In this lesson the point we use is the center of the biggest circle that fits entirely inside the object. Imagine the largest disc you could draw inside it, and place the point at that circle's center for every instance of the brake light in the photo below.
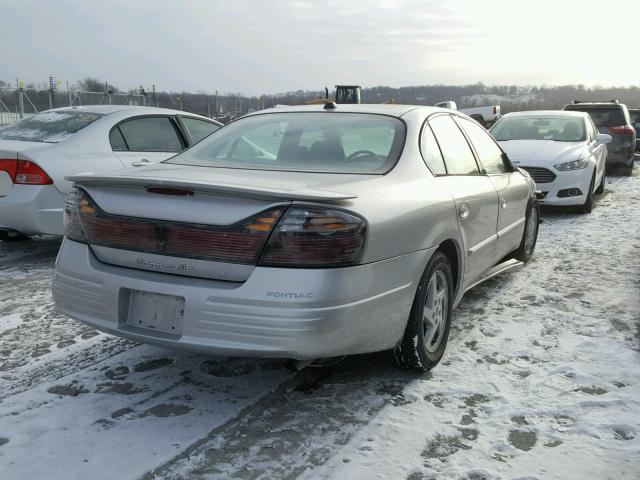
(9, 166)
(621, 130)
(28, 173)
(315, 237)
(241, 243)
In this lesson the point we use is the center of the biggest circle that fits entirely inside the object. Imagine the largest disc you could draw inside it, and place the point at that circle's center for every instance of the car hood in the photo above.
(525, 152)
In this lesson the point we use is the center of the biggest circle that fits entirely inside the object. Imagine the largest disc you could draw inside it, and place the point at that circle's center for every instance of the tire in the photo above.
(587, 206)
(600, 189)
(628, 170)
(12, 237)
(427, 332)
(530, 235)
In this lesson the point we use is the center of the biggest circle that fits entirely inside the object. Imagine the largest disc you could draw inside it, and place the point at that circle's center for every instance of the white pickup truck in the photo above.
(484, 115)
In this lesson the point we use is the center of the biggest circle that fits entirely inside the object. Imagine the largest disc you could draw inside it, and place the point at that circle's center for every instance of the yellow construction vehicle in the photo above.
(344, 94)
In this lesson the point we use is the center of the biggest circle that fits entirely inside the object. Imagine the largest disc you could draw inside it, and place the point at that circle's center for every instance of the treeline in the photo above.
(229, 105)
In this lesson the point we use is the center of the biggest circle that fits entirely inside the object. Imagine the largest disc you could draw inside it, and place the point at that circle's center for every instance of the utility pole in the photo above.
(215, 105)
(208, 106)
(20, 86)
(52, 91)
(70, 96)
(155, 98)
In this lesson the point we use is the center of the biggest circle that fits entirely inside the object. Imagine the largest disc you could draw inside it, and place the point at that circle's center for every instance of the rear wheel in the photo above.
(12, 236)
(427, 332)
(628, 169)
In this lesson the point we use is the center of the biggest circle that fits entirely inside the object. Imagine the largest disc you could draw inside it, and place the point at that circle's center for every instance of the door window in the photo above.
(150, 134)
(489, 153)
(457, 154)
(198, 129)
(117, 140)
(431, 152)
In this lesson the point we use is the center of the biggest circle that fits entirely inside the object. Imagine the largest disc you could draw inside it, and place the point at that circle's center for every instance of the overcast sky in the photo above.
(256, 46)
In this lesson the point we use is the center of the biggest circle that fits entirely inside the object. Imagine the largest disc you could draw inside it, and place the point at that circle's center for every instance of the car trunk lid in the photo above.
(171, 221)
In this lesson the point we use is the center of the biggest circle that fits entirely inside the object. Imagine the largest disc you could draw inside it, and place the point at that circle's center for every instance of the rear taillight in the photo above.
(71, 217)
(24, 172)
(9, 166)
(242, 242)
(621, 130)
(315, 237)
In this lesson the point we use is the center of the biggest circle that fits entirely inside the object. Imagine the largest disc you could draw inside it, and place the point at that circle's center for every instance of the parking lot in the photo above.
(543, 365)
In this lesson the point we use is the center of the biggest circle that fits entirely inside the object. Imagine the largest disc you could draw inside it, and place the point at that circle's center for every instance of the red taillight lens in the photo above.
(621, 130)
(28, 173)
(315, 237)
(72, 229)
(9, 166)
(239, 243)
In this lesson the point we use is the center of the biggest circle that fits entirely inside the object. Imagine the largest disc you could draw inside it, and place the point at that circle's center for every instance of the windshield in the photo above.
(603, 117)
(49, 127)
(557, 128)
(303, 141)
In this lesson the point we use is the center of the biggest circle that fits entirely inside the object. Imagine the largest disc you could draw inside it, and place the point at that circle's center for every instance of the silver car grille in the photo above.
(540, 175)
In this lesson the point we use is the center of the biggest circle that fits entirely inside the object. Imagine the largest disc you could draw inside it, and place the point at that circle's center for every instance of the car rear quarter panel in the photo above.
(406, 210)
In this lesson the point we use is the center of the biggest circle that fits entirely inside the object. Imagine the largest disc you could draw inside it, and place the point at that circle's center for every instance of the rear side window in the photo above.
(488, 152)
(150, 134)
(458, 156)
(198, 129)
(303, 141)
(48, 127)
(431, 152)
(117, 140)
(604, 117)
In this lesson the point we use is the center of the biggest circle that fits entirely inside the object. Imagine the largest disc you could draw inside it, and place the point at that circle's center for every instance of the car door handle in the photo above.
(141, 163)
(464, 210)
(503, 203)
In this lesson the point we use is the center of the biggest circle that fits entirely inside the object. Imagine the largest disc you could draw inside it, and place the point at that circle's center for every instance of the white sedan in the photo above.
(38, 152)
(562, 151)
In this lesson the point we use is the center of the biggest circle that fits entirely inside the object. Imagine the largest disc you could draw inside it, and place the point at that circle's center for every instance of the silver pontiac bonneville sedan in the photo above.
(300, 232)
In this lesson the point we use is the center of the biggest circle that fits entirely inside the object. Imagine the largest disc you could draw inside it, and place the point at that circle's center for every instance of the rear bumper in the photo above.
(32, 210)
(621, 155)
(580, 179)
(342, 311)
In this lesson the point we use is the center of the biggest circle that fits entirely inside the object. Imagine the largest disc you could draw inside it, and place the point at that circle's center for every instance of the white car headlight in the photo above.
(575, 165)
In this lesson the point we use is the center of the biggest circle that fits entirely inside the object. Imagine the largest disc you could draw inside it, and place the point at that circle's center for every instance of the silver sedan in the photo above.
(38, 152)
(300, 232)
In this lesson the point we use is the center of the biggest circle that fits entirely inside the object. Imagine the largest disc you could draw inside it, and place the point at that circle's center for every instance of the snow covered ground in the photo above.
(541, 379)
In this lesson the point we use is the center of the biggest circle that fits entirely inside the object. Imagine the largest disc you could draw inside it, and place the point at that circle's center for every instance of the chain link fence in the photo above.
(17, 103)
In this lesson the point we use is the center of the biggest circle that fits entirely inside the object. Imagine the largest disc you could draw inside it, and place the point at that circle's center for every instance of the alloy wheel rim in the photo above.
(436, 306)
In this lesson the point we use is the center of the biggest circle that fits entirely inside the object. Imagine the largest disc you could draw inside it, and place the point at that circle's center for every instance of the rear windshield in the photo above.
(602, 116)
(303, 141)
(49, 127)
(557, 128)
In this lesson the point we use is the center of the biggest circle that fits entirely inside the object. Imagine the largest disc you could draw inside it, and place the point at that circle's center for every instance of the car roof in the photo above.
(595, 105)
(537, 113)
(393, 110)
(109, 109)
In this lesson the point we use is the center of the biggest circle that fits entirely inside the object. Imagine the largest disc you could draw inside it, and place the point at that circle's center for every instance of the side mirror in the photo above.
(603, 139)
(509, 166)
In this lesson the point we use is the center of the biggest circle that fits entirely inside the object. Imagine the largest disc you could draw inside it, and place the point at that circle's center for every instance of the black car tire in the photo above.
(12, 237)
(414, 353)
(587, 206)
(529, 237)
(600, 189)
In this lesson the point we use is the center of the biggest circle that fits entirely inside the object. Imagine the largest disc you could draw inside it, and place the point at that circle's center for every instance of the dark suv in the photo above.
(612, 118)
(635, 121)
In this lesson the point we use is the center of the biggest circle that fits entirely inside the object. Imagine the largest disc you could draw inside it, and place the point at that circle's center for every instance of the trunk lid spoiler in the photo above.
(218, 188)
